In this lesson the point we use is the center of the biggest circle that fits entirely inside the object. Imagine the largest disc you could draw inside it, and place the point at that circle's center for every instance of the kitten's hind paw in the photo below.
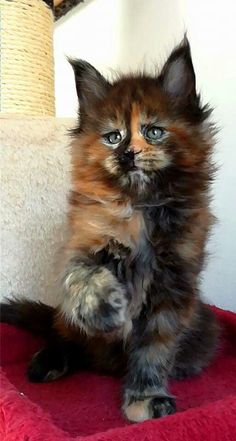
(47, 365)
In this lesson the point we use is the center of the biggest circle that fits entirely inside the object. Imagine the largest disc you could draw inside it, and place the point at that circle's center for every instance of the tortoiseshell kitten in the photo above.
(139, 217)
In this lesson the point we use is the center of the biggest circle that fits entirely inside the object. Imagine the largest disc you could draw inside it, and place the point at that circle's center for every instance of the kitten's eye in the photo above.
(153, 133)
(113, 137)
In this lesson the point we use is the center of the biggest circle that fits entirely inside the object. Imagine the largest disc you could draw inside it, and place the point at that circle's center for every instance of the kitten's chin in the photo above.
(138, 180)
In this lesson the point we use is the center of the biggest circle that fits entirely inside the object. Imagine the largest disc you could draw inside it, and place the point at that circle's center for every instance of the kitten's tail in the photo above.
(35, 317)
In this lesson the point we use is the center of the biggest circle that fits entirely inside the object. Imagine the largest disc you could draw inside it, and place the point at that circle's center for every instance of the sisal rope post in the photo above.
(27, 68)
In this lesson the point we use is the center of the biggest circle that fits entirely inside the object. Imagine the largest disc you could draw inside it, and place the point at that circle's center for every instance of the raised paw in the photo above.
(95, 300)
(148, 408)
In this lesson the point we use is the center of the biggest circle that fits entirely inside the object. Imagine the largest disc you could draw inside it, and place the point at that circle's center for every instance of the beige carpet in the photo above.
(34, 176)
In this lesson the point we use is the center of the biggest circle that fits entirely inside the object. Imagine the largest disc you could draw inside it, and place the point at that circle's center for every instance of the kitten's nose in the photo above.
(127, 158)
(129, 154)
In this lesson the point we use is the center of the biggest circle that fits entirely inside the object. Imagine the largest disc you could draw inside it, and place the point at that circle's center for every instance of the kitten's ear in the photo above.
(90, 84)
(177, 76)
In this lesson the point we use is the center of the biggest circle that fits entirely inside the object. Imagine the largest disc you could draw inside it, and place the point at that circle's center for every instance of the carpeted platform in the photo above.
(87, 407)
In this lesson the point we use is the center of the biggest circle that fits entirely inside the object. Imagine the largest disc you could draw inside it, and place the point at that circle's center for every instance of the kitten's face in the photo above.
(139, 126)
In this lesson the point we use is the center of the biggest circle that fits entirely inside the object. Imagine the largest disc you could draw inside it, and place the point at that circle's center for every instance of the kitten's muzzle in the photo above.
(127, 159)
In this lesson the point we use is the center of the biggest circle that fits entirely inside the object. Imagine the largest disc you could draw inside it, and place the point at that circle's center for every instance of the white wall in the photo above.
(126, 34)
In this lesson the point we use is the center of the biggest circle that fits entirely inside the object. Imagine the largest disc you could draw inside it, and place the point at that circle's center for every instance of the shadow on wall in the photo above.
(148, 33)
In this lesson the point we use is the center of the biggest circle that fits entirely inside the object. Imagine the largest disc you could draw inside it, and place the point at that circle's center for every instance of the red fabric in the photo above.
(86, 406)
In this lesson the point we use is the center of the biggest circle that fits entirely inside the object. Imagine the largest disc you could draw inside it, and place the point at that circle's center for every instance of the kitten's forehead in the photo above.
(141, 115)
(133, 96)
(132, 117)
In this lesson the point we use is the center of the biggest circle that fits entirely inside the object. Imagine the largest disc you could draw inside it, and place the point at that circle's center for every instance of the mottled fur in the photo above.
(139, 216)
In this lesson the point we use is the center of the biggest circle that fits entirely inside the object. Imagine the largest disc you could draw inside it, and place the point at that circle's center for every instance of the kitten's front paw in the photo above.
(144, 409)
(162, 406)
(95, 300)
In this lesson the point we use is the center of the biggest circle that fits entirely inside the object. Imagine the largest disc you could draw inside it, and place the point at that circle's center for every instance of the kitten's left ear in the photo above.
(90, 84)
(177, 76)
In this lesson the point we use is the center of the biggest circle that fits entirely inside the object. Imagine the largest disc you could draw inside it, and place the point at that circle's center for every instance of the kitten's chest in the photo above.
(130, 235)
(133, 258)
(129, 230)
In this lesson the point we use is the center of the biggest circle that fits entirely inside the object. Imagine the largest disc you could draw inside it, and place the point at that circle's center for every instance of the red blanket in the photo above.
(86, 406)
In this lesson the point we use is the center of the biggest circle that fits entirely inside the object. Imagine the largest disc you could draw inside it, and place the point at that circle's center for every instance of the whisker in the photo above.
(156, 204)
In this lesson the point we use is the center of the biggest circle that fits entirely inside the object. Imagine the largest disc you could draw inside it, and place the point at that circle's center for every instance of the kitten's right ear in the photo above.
(177, 76)
(90, 84)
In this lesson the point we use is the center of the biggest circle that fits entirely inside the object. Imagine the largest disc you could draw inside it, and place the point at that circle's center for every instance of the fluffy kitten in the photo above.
(139, 217)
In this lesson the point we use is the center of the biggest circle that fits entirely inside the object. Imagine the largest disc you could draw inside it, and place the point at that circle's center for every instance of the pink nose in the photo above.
(135, 147)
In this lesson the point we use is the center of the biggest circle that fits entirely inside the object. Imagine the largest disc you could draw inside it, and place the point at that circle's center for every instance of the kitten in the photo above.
(139, 218)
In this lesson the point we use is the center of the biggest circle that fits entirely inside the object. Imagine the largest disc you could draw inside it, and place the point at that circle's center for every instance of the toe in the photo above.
(162, 406)
(138, 411)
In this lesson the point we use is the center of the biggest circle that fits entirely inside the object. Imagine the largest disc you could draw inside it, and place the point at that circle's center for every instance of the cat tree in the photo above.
(34, 174)
(34, 161)
(27, 72)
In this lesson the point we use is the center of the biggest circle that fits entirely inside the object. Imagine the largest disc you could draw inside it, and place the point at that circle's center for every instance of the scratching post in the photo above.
(34, 160)
(27, 71)
(34, 184)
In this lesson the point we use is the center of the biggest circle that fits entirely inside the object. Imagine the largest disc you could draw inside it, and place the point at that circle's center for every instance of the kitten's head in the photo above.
(138, 127)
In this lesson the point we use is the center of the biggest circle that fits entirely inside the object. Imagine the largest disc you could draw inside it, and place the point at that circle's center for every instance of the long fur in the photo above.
(35, 317)
(139, 218)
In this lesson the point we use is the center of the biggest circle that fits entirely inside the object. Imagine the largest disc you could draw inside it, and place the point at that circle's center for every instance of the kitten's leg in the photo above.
(146, 395)
(94, 300)
(198, 345)
(74, 351)
(170, 343)
(58, 358)
(153, 346)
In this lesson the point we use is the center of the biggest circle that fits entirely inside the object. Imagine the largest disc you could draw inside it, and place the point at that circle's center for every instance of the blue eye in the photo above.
(112, 137)
(153, 133)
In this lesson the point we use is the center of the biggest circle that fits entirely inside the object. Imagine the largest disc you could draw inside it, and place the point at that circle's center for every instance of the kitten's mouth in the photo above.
(127, 161)
(129, 167)
(134, 168)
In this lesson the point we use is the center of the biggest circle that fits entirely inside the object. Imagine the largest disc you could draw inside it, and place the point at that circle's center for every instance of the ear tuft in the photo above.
(91, 86)
(177, 76)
